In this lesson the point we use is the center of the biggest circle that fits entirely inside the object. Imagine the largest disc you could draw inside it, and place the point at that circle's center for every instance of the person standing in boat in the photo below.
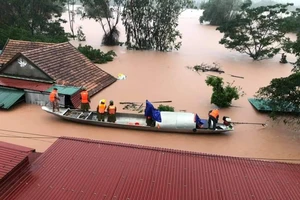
(85, 100)
(53, 97)
(213, 117)
(111, 110)
(101, 110)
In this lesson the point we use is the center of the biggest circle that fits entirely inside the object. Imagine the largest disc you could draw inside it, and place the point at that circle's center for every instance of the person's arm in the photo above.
(57, 97)
(97, 109)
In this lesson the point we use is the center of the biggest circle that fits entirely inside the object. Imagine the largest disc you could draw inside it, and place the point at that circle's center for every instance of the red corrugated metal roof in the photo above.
(84, 169)
(10, 156)
(22, 84)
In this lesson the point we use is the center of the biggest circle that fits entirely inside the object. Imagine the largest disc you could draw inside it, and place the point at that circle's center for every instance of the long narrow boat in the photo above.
(176, 122)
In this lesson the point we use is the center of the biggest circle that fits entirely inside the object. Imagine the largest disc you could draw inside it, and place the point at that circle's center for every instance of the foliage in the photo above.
(218, 12)
(96, 55)
(105, 11)
(283, 95)
(31, 20)
(152, 24)
(80, 34)
(294, 47)
(255, 31)
(162, 107)
(292, 22)
(223, 96)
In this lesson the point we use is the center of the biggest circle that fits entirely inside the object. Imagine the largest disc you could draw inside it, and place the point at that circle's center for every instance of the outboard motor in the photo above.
(227, 121)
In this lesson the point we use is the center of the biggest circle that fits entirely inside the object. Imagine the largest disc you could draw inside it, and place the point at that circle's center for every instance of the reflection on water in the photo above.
(164, 76)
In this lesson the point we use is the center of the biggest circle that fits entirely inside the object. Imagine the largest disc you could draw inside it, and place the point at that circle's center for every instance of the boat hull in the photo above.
(132, 121)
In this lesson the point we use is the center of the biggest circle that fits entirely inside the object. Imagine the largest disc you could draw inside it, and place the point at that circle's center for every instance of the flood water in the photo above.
(164, 76)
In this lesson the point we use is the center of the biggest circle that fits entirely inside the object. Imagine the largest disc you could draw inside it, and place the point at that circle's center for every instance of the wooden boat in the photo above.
(176, 122)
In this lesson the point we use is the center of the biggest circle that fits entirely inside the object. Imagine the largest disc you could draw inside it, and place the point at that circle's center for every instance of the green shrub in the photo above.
(165, 108)
(223, 96)
(95, 55)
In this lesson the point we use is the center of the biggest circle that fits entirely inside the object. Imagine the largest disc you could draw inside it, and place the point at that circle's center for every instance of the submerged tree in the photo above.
(152, 24)
(257, 31)
(107, 13)
(222, 96)
(71, 15)
(218, 12)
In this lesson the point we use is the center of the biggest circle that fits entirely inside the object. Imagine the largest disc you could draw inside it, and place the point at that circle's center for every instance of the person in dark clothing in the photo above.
(213, 117)
(283, 59)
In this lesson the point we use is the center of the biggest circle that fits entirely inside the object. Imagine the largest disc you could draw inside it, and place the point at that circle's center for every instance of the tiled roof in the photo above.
(16, 46)
(10, 156)
(22, 84)
(65, 64)
(85, 169)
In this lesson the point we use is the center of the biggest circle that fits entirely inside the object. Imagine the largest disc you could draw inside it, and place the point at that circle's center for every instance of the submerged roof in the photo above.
(10, 156)
(86, 169)
(65, 64)
(23, 84)
(9, 97)
(13, 47)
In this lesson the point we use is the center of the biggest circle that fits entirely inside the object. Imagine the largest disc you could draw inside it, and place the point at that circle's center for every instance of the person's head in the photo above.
(55, 89)
(111, 102)
(83, 89)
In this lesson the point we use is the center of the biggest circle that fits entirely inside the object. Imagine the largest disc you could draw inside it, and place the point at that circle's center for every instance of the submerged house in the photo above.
(34, 68)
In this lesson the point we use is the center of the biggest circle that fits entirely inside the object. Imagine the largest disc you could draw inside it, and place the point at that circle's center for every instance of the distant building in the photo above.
(74, 168)
(34, 67)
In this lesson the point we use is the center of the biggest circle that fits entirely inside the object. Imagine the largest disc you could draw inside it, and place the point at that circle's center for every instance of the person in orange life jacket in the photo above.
(85, 100)
(213, 117)
(111, 110)
(53, 97)
(101, 110)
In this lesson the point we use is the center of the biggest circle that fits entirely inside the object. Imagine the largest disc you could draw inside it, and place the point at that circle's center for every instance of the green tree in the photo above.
(222, 96)
(256, 31)
(107, 13)
(32, 20)
(218, 12)
(152, 24)
(95, 55)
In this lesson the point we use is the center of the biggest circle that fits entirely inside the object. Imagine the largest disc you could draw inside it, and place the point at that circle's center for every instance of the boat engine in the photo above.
(227, 121)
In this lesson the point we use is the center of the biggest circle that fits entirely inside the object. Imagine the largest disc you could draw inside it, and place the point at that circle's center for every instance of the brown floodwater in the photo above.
(164, 76)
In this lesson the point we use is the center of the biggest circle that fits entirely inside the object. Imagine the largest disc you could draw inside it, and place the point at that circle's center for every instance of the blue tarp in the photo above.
(150, 111)
(198, 120)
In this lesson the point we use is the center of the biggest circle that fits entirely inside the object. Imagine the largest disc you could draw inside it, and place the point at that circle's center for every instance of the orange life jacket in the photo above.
(52, 96)
(111, 110)
(84, 97)
(101, 108)
(214, 113)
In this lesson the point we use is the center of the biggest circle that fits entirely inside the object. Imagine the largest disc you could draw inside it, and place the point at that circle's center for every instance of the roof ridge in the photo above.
(28, 41)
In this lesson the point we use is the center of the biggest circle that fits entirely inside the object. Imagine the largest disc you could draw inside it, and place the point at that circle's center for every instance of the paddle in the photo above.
(263, 124)
(126, 102)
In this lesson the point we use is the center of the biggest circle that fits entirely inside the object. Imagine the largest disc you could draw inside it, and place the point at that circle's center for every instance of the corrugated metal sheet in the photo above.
(41, 99)
(10, 156)
(65, 90)
(22, 84)
(9, 97)
(85, 169)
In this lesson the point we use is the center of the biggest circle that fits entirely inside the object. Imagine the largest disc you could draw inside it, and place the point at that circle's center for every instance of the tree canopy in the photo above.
(256, 32)
(218, 12)
(107, 13)
(152, 24)
(32, 20)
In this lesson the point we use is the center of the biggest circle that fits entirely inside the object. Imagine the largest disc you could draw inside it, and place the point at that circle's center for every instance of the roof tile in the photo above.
(23, 84)
(64, 63)
(75, 168)
(16, 46)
